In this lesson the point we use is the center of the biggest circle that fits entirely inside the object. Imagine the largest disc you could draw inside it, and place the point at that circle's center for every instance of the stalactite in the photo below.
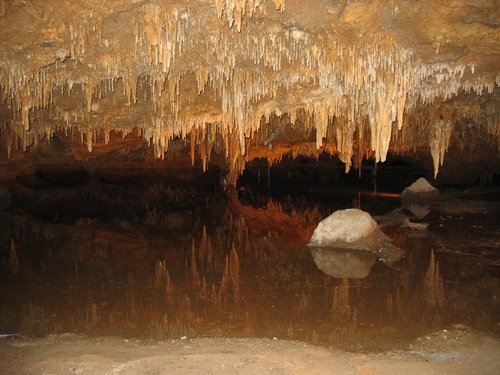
(493, 117)
(439, 139)
(13, 259)
(89, 138)
(89, 92)
(130, 89)
(25, 108)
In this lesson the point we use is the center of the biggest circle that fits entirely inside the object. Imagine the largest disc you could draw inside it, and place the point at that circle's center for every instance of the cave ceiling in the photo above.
(250, 78)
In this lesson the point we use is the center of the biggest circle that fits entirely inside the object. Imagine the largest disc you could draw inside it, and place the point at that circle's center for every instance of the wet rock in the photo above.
(351, 227)
(421, 191)
(399, 219)
(356, 230)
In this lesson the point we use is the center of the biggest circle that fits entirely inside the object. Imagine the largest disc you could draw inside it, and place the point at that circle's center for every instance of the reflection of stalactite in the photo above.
(234, 262)
(160, 273)
(298, 225)
(93, 315)
(187, 312)
(397, 301)
(204, 289)
(433, 284)
(342, 311)
(231, 278)
(163, 280)
(130, 295)
(194, 276)
(13, 259)
(169, 288)
(224, 285)
(202, 251)
(393, 303)
(241, 230)
(214, 296)
(206, 256)
(77, 272)
(341, 298)
(304, 301)
(389, 304)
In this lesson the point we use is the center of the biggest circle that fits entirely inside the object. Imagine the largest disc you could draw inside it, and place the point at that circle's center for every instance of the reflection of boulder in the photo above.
(419, 211)
(397, 218)
(53, 175)
(419, 191)
(63, 175)
(354, 229)
(343, 263)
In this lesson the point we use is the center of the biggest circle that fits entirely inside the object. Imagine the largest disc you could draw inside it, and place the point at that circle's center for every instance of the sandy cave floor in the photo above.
(456, 351)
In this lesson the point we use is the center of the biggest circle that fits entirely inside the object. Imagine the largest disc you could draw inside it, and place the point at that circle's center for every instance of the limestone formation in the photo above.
(234, 77)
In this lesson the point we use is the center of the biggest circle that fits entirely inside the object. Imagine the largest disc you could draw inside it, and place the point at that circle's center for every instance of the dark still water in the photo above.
(156, 262)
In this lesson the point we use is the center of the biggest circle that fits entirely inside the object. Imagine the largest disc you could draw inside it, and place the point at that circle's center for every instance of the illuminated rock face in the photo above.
(231, 76)
(420, 190)
(350, 229)
(345, 228)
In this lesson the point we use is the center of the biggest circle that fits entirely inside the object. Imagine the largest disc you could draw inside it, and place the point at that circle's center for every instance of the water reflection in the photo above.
(343, 263)
(243, 272)
(420, 211)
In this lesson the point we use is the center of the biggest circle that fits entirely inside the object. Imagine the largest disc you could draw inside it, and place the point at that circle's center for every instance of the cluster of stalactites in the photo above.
(235, 10)
(462, 121)
(493, 119)
(364, 88)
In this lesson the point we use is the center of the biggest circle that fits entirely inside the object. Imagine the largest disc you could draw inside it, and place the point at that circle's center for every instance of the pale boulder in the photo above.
(420, 191)
(355, 230)
(343, 227)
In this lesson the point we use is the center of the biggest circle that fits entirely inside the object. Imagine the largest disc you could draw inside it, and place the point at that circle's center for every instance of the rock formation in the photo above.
(250, 78)
(351, 238)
